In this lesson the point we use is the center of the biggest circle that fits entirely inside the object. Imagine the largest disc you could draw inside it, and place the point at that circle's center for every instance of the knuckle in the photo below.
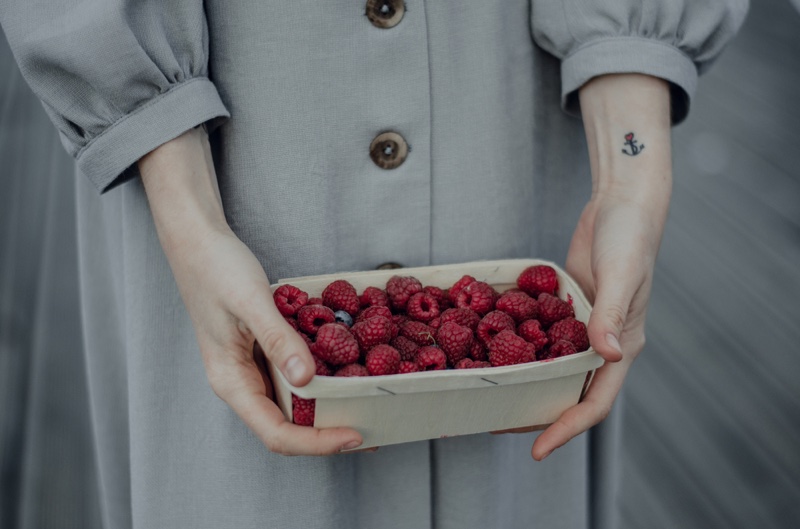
(616, 316)
(273, 341)
(276, 445)
(640, 342)
(216, 379)
(604, 412)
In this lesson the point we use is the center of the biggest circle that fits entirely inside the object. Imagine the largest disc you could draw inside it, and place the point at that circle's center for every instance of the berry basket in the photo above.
(427, 405)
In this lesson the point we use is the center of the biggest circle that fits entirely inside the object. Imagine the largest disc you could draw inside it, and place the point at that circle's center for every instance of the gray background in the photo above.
(712, 410)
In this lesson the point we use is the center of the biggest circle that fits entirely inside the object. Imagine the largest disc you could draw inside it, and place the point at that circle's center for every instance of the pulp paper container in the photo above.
(415, 406)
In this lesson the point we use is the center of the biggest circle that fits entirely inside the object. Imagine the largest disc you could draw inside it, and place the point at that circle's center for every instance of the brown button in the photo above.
(388, 150)
(388, 266)
(385, 14)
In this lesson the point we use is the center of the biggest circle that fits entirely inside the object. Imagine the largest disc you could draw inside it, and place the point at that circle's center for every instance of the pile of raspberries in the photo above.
(408, 327)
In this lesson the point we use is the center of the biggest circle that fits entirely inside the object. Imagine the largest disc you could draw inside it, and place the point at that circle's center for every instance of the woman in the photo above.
(346, 136)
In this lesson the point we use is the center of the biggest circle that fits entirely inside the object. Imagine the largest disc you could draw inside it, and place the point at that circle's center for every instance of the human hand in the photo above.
(613, 250)
(228, 297)
(611, 257)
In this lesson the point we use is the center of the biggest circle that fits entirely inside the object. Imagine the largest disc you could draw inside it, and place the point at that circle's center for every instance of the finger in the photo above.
(242, 390)
(264, 418)
(524, 429)
(371, 450)
(281, 344)
(595, 407)
(615, 290)
(261, 364)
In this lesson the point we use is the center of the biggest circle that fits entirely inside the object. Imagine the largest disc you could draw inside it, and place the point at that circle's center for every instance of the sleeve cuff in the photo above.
(110, 158)
(629, 55)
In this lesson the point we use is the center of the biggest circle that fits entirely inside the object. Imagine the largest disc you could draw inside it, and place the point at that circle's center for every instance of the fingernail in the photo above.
(613, 342)
(295, 370)
(351, 445)
(545, 456)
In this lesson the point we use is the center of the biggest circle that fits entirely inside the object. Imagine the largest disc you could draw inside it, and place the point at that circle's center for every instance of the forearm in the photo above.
(182, 190)
(613, 108)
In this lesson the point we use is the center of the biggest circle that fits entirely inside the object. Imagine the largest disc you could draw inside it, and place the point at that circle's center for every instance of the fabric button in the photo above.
(388, 266)
(385, 14)
(388, 150)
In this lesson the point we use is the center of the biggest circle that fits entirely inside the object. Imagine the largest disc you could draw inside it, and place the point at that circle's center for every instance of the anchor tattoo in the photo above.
(630, 142)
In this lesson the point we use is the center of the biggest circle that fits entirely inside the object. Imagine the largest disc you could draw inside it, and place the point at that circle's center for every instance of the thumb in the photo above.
(608, 316)
(280, 342)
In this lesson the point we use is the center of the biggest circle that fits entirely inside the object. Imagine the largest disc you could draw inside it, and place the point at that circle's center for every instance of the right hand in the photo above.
(228, 297)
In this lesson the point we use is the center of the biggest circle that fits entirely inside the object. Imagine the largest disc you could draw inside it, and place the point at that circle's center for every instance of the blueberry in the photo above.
(343, 317)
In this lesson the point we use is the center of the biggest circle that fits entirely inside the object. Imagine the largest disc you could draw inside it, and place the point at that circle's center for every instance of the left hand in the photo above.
(611, 256)
(614, 247)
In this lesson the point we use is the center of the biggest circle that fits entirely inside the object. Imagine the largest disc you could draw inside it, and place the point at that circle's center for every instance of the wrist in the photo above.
(627, 123)
(182, 191)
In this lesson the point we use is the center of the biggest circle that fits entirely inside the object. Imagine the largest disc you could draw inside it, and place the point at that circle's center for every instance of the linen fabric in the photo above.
(294, 93)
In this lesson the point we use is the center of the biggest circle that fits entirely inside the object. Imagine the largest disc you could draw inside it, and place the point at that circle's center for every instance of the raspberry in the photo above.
(553, 309)
(408, 367)
(478, 351)
(571, 330)
(374, 297)
(435, 323)
(289, 299)
(508, 349)
(303, 410)
(314, 301)
(311, 317)
(343, 317)
(464, 317)
(492, 324)
(376, 310)
(478, 296)
(518, 305)
(422, 307)
(537, 279)
(531, 331)
(455, 341)
(335, 345)
(306, 339)
(383, 360)
(439, 295)
(453, 292)
(397, 319)
(352, 370)
(430, 358)
(557, 350)
(400, 289)
(468, 363)
(417, 332)
(292, 322)
(406, 348)
(371, 332)
(341, 295)
(322, 368)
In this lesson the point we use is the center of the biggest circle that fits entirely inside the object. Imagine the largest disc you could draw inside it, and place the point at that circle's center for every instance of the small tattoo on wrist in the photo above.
(631, 143)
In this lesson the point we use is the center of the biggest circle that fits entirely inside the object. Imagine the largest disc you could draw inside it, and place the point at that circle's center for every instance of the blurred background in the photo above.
(712, 406)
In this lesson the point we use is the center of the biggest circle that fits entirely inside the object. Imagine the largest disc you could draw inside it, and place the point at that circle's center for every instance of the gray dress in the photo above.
(294, 93)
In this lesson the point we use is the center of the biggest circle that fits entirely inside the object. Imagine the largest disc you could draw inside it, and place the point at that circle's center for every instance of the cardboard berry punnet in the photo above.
(400, 408)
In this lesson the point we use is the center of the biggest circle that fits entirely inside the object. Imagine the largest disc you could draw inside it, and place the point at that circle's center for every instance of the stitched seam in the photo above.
(604, 40)
(430, 137)
(137, 111)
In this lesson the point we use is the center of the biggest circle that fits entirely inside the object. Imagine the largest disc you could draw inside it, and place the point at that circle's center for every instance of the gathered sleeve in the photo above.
(118, 78)
(671, 39)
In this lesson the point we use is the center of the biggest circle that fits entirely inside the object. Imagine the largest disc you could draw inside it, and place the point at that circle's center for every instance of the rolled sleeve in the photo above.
(117, 79)
(110, 157)
(675, 41)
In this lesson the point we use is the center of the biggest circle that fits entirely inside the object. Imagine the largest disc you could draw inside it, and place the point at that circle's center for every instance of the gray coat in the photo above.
(295, 93)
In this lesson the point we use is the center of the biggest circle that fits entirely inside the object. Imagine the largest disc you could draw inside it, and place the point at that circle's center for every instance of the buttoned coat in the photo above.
(482, 97)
